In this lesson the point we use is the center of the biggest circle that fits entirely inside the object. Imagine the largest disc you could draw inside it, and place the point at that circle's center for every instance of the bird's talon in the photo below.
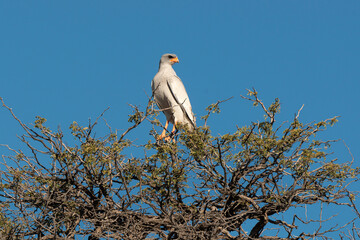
(160, 137)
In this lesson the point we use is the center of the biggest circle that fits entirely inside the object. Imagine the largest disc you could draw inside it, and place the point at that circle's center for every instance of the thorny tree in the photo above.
(234, 186)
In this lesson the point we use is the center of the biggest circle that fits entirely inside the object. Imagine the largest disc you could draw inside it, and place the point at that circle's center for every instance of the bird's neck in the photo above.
(164, 66)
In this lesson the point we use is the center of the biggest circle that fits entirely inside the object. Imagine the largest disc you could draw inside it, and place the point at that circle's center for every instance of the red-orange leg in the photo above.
(164, 131)
(171, 134)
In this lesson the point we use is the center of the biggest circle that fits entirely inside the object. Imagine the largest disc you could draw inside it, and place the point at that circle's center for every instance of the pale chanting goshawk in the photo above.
(170, 95)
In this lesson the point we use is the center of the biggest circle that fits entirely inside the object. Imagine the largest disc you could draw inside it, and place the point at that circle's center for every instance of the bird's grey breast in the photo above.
(160, 90)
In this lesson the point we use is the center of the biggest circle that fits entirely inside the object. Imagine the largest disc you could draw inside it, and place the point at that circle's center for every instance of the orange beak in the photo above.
(174, 60)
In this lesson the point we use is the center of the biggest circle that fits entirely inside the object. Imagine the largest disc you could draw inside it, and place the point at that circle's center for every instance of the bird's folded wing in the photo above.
(178, 91)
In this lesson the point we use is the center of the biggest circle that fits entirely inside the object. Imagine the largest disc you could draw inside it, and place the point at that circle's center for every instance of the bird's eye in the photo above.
(171, 56)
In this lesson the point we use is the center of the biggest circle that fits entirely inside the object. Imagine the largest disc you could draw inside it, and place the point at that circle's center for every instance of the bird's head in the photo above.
(169, 58)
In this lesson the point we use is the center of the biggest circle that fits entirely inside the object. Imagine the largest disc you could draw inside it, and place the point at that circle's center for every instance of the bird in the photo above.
(171, 97)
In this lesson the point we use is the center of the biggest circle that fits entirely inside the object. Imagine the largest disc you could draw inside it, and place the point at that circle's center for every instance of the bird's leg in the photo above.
(172, 133)
(164, 131)
(174, 128)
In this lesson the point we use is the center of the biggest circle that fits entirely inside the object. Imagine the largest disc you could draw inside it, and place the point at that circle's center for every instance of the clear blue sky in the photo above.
(69, 60)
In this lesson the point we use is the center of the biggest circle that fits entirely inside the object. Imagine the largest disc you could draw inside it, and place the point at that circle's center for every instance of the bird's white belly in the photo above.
(168, 104)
